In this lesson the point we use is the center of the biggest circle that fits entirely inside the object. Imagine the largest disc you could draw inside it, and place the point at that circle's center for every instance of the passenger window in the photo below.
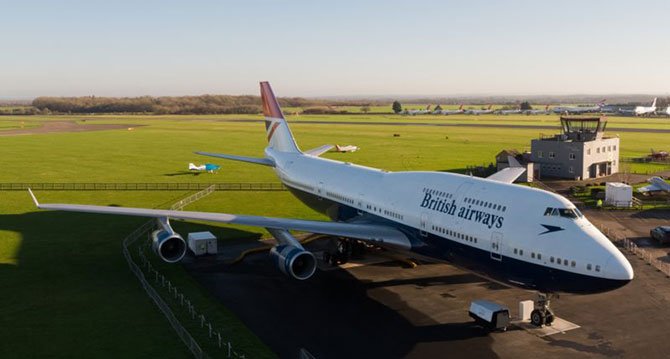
(573, 264)
(551, 259)
(597, 268)
(588, 266)
(539, 256)
(520, 252)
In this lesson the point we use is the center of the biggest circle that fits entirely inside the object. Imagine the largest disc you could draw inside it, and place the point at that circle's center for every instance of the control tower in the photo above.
(580, 151)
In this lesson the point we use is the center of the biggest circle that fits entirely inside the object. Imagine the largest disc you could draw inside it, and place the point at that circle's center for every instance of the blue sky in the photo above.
(321, 48)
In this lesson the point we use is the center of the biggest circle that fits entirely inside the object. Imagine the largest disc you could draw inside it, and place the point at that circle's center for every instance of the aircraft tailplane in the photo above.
(278, 133)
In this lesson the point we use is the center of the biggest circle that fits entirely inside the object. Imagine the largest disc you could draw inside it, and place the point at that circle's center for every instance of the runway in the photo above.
(442, 124)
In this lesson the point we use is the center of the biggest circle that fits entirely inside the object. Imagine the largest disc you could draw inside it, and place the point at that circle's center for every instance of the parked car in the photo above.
(661, 234)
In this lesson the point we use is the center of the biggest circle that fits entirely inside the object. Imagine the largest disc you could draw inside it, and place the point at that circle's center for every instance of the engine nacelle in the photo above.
(295, 262)
(169, 246)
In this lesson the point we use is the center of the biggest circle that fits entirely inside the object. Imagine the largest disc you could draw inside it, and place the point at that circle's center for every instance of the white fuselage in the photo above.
(505, 219)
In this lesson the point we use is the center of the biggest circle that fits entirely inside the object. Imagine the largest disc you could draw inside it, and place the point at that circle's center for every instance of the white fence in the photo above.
(630, 246)
(179, 298)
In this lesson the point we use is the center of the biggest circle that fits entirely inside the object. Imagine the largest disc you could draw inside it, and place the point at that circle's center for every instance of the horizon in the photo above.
(318, 49)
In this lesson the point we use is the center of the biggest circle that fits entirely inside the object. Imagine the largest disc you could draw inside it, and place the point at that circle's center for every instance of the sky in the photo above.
(333, 48)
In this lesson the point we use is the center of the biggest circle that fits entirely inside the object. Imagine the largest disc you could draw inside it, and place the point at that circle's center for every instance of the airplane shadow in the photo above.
(333, 315)
(182, 173)
(67, 269)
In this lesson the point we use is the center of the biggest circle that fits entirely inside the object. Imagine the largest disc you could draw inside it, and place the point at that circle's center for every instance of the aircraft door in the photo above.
(320, 190)
(496, 246)
(423, 224)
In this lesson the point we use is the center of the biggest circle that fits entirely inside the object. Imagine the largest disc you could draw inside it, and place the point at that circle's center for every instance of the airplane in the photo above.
(509, 112)
(348, 148)
(580, 109)
(626, 111)
(656, 184)
(646, 110)
(419, 112)
(209, 167)
(452, 112)
(480, 111)
(667, 111)
(658, 155)
(537, 112)
(518, 235)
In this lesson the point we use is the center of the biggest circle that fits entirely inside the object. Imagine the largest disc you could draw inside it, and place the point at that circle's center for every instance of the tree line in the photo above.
(182, 105)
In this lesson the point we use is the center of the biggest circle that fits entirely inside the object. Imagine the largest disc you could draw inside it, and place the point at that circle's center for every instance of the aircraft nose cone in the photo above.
(619, 268)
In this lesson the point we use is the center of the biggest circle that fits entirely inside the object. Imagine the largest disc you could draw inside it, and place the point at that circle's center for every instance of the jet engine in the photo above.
(290, 257)
(295, 262)
(169, 246)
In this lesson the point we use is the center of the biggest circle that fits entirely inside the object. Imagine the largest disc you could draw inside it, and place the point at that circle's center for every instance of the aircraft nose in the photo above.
(619, 268)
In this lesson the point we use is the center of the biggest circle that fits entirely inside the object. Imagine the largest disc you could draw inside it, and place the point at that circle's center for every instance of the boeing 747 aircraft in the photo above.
(519, 235)
(646, 110)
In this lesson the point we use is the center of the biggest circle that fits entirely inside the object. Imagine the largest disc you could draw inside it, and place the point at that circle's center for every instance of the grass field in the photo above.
(67, 289)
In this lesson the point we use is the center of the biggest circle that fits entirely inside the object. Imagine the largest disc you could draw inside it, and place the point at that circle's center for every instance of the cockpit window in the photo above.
(565, 212)
(572, 213)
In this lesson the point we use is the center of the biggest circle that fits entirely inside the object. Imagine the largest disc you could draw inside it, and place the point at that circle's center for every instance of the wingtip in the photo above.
(37, 204)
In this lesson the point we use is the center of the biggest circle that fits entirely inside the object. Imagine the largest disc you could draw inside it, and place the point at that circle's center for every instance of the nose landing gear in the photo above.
(542, 314)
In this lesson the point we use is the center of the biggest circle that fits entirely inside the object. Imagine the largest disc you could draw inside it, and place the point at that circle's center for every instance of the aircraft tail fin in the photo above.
(653, 104)
(278, 133)
(192, 166)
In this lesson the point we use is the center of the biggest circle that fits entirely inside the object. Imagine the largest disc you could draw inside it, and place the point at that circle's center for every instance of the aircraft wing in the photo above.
(259, 161)
(377, 233)
(316, 152)
(509, 174)
(650, 188)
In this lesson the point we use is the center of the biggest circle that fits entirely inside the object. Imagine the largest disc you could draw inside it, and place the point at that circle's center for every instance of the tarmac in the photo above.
(385, 309)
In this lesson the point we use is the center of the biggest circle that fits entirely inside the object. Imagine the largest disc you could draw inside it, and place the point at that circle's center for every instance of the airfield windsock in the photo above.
(279, 135)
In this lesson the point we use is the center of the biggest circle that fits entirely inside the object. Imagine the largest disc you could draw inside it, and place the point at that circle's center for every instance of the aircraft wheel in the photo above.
(537, 318)
(549, 318)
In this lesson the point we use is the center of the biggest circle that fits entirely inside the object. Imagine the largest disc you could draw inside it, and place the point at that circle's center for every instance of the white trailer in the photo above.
(618, 194)
(490, 315)
(201, 243)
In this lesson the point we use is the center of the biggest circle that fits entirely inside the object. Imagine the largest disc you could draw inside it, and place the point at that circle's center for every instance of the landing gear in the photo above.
(542, 314)
(341, 250)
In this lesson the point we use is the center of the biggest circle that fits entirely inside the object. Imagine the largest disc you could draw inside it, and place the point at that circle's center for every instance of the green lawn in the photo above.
(68, 291)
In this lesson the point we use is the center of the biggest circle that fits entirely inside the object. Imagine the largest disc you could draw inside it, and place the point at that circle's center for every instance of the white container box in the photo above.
(202, 243)
(618, 194)
(525, 308)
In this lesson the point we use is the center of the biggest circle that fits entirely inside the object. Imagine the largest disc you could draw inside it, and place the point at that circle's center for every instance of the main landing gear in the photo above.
(341, 250)
(542, 314)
